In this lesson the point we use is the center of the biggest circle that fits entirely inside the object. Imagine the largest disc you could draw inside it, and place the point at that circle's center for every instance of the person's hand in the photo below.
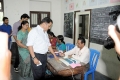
(5, 57)
(56, 58)
(111, 30)
(10, 35)
(61, 54)
(26, 48)
(69, 56)
(36, 61)
(55, 50)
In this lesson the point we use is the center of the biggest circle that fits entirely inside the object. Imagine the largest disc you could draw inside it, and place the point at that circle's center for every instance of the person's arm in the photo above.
(10, 32)
(68, 53)
(15, 37)
(5, 57)
(30, 42)
(21, 45)
(115, 36)
(85, 57)
(19, 39)
(36, 61)
(0, 28)
(50, 47)
(31, 51)
(51, 50)
(14, 33)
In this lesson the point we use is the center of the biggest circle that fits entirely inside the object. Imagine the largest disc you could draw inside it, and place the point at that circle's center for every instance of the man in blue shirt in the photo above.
(6, 28)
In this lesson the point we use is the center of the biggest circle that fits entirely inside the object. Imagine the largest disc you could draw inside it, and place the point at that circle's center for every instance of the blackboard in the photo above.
(100, 20)
(68, 25)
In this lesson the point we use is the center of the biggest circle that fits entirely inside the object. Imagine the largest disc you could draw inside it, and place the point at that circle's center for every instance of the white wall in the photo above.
(108, 64)
(40, 5)
(13, 9)
(56, 16)
(55, 9)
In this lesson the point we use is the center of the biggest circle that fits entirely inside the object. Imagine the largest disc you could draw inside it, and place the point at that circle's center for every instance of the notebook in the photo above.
(73, 65)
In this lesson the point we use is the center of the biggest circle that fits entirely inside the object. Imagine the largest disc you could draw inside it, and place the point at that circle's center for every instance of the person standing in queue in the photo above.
(38, 44)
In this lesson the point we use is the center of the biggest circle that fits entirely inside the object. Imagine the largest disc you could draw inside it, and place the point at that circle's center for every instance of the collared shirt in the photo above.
(7, 29)
(15, 28)
(82, 55)
(39, 40)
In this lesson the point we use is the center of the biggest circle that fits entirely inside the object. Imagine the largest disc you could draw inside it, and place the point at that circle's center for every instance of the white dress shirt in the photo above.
(82, 55)
(39, 40)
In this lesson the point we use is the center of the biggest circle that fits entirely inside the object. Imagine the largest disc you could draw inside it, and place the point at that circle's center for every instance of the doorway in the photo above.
(82, 26)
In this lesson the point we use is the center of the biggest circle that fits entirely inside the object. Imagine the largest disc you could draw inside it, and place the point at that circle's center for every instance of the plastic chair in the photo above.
(69, 46)
(94, 56)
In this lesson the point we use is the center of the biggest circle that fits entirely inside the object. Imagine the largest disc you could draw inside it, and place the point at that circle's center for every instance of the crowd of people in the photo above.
(32, 47)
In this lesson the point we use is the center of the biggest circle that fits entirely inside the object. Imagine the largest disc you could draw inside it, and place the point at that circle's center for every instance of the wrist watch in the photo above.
(33, 58)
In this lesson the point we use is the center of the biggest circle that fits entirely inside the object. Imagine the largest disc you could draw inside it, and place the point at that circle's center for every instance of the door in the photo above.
(82, 26)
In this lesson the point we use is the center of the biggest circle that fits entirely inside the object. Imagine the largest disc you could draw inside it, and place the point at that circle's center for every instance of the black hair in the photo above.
(23, 23)
(46, 20)
(4, 18)
(82, 39)
(48, 30)
(61, 38)
(25, 16)
(51, 33)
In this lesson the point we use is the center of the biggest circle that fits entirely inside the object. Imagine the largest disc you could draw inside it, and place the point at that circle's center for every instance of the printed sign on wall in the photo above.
(92, 2)
(71, 6)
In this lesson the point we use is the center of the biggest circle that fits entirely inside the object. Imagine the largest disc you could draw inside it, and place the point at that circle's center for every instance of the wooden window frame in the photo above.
(39, 17)
(2, 6)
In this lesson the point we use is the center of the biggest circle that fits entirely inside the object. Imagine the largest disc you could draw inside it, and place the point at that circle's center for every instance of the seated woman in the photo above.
(53, 39)
(24, 66)
(60, 43)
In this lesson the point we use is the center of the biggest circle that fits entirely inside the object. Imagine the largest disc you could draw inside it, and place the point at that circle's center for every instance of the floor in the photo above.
(16, 76)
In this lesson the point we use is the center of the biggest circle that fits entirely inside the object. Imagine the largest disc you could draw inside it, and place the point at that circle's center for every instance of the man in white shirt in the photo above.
(38, 45)
(80, 52)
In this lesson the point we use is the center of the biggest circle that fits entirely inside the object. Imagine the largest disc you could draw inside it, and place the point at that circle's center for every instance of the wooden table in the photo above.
(59, 68)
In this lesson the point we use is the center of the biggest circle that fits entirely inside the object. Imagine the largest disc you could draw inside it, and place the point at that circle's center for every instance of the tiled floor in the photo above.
(16, 76)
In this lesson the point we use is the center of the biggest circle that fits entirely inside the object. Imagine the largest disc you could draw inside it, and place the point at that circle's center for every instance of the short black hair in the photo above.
(48, 30)
(46, 20)
(25, 16)
(4, 18)
(82, 39)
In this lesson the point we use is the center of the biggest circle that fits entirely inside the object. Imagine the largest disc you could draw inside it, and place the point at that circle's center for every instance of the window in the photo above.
(1, 12)
(36, 17)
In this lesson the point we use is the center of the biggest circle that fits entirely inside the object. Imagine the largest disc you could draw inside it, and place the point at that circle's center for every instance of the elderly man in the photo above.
(79, 52)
